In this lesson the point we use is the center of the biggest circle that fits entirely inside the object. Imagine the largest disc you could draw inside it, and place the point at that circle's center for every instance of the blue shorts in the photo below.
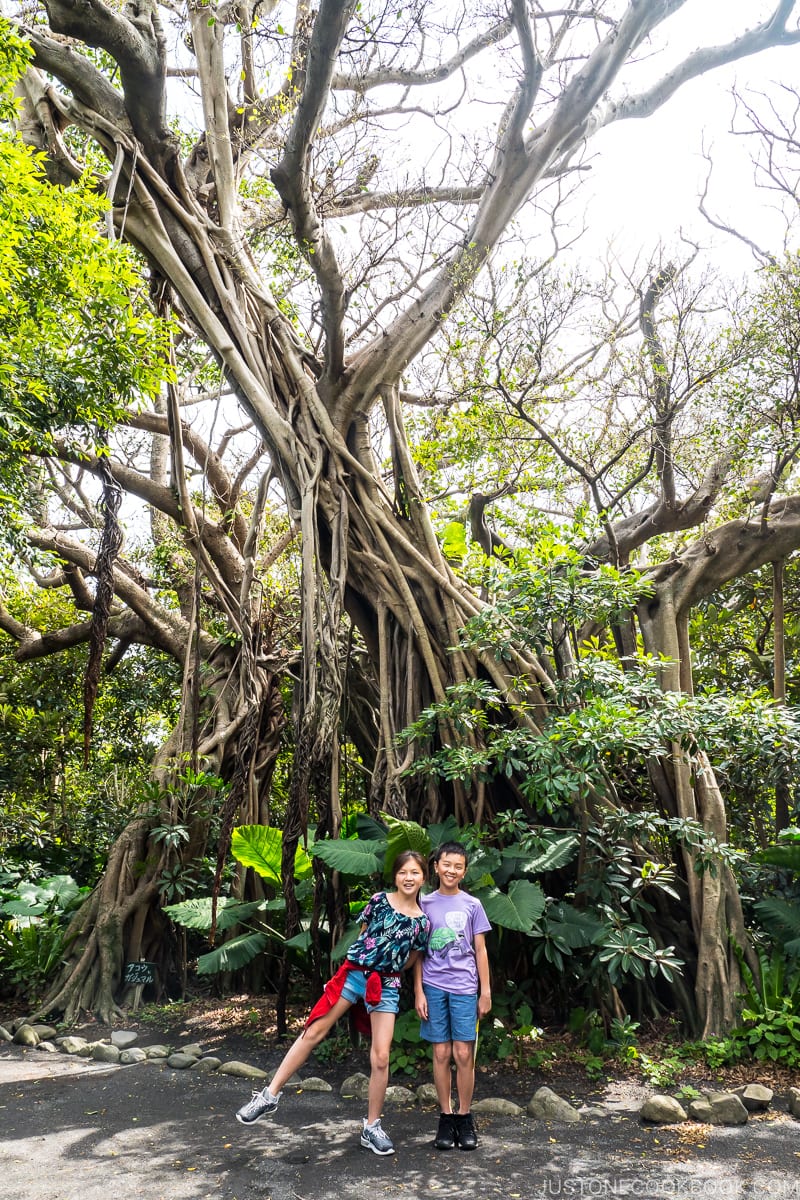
(451, 1018)
(355, 989)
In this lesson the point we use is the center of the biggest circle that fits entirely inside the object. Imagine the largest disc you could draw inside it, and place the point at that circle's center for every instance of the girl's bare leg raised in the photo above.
(302, 1048)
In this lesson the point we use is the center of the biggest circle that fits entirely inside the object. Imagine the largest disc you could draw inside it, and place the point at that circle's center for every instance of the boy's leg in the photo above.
(464, 1016)
(464, 1055)
(442, 1077)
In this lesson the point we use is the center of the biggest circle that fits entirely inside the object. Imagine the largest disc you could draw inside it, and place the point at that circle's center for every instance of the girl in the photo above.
(453, 992)
(393, 933)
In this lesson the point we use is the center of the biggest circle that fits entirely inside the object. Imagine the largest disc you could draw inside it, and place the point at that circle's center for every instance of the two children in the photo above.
(451, 984)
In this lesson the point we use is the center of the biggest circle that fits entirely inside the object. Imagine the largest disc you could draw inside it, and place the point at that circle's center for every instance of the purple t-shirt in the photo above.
(450, 961)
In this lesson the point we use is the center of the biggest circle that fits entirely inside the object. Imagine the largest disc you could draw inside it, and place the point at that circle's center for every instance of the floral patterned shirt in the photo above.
(389, 939)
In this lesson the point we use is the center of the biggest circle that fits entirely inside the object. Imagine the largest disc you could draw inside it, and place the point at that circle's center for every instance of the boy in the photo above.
(453, 992)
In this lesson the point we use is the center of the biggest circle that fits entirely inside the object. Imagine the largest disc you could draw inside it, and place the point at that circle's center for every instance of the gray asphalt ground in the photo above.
(75, 1130)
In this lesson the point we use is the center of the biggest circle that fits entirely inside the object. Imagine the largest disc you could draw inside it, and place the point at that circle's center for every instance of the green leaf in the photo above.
(454, 542)
(236, 953)
(345, 941)
(403, 835)
(558, 854)
(261, 847)
(351, 857)
(519, 909)
(196, 913)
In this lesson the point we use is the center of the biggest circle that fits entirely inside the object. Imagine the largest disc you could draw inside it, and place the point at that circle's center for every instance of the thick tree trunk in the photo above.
(121, 921)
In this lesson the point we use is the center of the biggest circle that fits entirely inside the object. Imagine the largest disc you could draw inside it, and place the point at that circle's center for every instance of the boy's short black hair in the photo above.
(450, 848)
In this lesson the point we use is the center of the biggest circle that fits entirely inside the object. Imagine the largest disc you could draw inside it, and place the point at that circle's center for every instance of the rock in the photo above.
(794, 1101)
(134, 1055)
(400, 1095)
(193, 1048)
(547, 1105)
(207, 1064)
(426, 1094)
(26, 1035)
(593, 1110)
(355, 1087)
(720, 1108)
(157, 1051)
(124, 1038)
(754, 1096)
(241, 1070)
(85, 1051)
(5, 1036)
(497, 1106)
(662, 1110)
(71, 1045)
(180, 1061)
(104, 1052)
(314, 1084)
(48, 1047)
(46, 1032)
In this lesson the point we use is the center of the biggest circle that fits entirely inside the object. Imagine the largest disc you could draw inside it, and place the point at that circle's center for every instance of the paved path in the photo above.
(75, 1130)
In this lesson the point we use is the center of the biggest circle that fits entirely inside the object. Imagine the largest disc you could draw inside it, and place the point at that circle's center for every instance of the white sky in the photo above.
(647, 175)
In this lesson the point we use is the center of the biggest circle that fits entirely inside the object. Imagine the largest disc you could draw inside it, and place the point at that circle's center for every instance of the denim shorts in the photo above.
(355, 989)
(451, 1018)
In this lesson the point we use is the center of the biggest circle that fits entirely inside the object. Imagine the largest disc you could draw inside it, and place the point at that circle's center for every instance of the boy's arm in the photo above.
(482, 962)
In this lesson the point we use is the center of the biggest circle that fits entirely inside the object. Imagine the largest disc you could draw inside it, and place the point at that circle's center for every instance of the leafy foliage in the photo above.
(33, 918)
(77, 342)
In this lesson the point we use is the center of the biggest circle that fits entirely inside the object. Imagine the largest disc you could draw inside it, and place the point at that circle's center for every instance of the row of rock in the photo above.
(715, 1107)
(711, 1107)
(120, 1048)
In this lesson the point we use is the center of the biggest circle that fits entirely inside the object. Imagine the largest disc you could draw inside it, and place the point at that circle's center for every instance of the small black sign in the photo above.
(140, 972)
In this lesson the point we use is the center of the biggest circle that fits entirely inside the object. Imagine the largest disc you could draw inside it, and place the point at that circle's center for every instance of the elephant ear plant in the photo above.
(33, 918)
(259, 847)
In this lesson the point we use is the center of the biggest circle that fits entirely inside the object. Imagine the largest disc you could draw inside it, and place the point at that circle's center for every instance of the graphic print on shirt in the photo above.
(448, 940)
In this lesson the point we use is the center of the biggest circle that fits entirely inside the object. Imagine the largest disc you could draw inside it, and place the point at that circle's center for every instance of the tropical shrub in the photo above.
(33, 920)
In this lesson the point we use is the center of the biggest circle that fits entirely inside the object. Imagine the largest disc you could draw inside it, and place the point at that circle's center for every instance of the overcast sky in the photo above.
(647, 175)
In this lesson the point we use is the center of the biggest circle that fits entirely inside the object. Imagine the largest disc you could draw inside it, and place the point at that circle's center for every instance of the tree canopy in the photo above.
(365, 363)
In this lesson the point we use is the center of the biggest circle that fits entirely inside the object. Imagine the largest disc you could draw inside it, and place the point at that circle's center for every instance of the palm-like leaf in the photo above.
(196, 913)
(236, 953)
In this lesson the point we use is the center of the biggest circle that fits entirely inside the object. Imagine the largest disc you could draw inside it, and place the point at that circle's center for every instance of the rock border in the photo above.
(709, 1108)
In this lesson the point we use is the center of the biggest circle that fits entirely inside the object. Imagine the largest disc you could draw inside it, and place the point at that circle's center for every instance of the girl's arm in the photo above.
(420, 1003)
(482, 962)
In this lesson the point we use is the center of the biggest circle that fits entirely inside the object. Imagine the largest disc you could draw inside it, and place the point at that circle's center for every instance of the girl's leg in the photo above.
(301, 1049)
(442, 1079)
(464, 1055)
(382, 1031)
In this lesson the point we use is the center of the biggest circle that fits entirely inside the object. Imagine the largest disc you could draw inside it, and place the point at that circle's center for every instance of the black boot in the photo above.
(466, 1136)
(446, 1133)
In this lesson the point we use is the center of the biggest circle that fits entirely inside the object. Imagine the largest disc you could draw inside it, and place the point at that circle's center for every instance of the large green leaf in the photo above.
(196, 913)
(369, 830)
(236, 953)
(560, 851)
(403, 835)
(261, 847)
(785, 854)
(345, 941)
(350, 857)
(519, 908)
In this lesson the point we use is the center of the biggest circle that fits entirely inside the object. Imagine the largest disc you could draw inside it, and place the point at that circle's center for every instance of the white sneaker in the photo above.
(261, 1104)
(374, 1138)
